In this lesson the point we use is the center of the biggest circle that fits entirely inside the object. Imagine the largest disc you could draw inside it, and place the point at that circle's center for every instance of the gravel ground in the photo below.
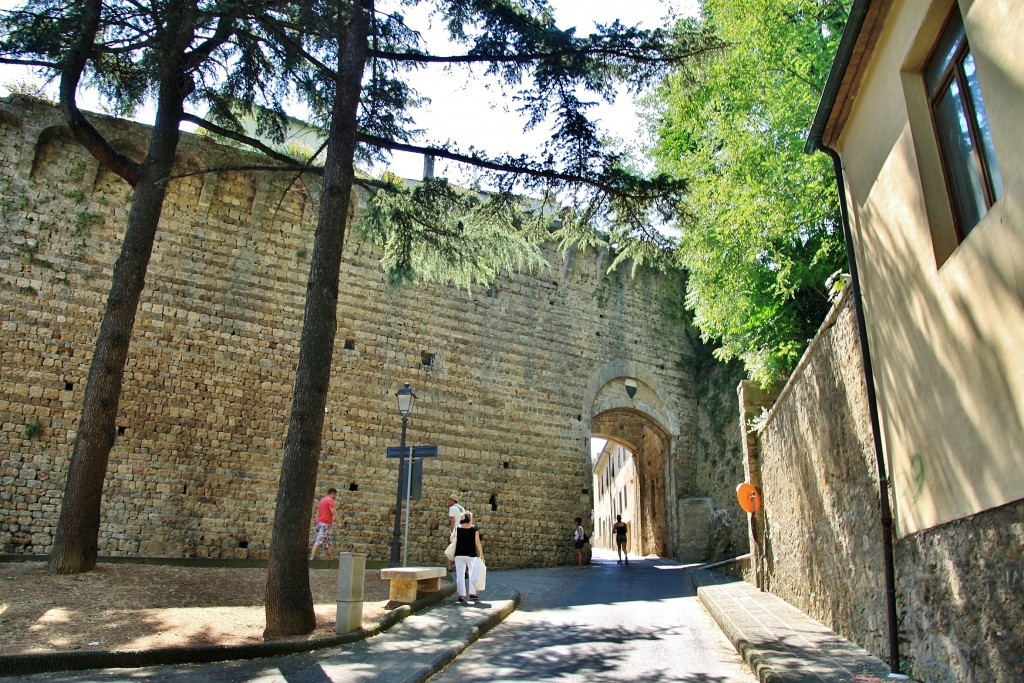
(142, 607)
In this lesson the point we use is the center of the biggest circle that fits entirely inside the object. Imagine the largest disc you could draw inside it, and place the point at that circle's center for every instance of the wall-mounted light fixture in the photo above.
(630, 387)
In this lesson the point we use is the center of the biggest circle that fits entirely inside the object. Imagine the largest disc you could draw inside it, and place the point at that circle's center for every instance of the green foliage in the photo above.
(760, 230)
(33, 430)
(436, 232)
(836, 284)
(210, 49)
(31, 90)
(300, 152)
(551, 76)
(85, 220)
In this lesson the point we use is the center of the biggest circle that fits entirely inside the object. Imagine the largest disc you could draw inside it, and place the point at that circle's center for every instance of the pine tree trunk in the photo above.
(289, 602)
(76, 540)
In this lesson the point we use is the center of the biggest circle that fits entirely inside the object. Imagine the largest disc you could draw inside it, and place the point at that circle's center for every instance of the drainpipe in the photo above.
(869, 379)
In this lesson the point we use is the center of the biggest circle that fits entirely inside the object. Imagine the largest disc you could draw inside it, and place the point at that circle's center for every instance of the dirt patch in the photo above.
(143, 607)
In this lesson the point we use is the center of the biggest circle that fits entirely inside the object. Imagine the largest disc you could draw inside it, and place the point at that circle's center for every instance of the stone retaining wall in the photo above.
(959, 585)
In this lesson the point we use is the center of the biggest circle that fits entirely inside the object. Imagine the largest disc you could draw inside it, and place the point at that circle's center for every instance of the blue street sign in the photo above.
(417, 451)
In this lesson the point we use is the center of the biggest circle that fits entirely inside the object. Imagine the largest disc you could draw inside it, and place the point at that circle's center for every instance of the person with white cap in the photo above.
(455, 512)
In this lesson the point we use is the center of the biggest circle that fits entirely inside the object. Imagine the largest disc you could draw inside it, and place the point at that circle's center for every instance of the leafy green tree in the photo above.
(760, 233)
(549, 70)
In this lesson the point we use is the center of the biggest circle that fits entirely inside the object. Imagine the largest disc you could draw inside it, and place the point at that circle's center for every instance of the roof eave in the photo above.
(837, 74)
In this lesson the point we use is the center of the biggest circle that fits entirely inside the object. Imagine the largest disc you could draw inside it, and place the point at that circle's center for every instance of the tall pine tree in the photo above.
(522, 50)
(175, 52)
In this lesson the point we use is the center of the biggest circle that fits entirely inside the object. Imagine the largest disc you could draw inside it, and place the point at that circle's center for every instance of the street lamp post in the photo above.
(405, 401)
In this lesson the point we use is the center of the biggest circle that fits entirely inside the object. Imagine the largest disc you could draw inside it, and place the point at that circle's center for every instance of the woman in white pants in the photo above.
(467, 549)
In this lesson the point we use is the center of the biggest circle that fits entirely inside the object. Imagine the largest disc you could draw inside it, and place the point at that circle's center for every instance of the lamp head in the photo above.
(630, 387)
(405, 399)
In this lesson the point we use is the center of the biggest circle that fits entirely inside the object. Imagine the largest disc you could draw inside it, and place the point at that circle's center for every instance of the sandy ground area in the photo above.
(141, 607)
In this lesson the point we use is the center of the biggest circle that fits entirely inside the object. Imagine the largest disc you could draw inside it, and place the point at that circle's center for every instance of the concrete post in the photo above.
(351, 581)
(753, 400)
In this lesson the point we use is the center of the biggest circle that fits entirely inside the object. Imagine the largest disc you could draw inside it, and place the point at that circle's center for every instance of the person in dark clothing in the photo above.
(619, 529)
(579, 537)
(468, 549)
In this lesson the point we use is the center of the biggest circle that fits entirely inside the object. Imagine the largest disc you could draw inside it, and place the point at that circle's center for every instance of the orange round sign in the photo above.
(750, 499)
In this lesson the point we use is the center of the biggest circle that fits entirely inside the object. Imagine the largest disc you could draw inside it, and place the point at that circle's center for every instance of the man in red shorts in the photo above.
(326, 513)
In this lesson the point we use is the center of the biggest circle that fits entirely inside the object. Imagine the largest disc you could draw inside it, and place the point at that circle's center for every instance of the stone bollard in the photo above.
(351, 580)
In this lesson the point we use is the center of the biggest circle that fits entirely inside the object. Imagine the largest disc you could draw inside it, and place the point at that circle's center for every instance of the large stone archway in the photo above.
(647, 425)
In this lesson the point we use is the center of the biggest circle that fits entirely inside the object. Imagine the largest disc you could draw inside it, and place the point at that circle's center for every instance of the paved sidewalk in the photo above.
(778, 641)
(410, 648)
(414, 649)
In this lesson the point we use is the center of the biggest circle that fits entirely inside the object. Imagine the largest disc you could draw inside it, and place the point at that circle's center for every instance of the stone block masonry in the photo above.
(500, 373)
(959, 585)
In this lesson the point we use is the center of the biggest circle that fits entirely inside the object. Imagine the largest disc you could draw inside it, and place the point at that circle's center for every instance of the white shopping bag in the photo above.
(479, 575)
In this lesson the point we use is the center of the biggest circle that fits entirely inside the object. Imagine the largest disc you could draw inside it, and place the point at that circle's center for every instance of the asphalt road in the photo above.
(607, 622)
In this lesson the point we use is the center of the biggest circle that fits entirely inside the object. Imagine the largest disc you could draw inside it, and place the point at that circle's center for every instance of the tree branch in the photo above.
(521, 58)
(225, 27)
(245, 140)
(314, 170)
(126, 48)
(292, 45)
(30, 62)
(81, 128)
(499, 166)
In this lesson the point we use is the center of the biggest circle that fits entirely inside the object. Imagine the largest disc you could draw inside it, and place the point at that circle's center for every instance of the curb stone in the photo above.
(779, 642)
(477, 632)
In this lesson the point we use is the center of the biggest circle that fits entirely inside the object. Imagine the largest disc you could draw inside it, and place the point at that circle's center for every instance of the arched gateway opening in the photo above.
(626, 407)
(642, 501)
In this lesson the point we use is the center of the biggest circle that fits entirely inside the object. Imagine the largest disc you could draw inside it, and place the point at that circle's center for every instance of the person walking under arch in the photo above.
(619, 529)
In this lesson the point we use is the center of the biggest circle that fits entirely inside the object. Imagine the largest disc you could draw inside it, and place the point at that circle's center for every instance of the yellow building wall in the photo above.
(945, 321)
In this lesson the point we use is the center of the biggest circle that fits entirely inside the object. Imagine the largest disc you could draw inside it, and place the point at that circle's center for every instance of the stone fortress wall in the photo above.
(504, 376)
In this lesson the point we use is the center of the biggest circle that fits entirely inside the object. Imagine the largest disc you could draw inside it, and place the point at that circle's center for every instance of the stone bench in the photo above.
(407, 581)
